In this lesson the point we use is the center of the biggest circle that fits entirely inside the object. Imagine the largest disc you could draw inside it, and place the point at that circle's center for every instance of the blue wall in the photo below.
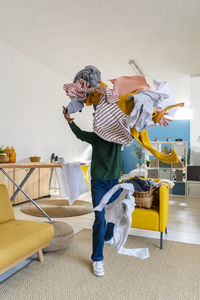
(176, 129)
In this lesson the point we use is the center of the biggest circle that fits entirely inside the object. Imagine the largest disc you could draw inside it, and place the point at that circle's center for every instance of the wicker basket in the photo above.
(4, 158)
(145, 199)
(178, 164)
(35, 158)
(154, 163)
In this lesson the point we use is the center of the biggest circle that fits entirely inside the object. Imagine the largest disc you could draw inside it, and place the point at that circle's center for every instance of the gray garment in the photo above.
(90, 74)
(74, 106)
(119, 212)
(144, 105)
(155, 96)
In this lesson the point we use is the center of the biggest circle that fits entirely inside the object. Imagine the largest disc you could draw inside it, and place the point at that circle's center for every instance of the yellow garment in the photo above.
(96, 97)
(93, 99)
(102, 83)
(141, 137)
(124, 105)
(157, 116)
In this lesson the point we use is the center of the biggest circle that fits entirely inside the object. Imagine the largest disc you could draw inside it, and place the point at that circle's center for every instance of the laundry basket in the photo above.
(145, 199)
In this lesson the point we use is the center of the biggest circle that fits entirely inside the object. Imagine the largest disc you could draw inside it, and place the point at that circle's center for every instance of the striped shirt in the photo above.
(79, 89)
(110, 95)
(110, 123)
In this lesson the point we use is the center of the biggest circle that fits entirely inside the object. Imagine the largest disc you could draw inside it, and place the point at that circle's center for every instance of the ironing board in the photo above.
(32, 166)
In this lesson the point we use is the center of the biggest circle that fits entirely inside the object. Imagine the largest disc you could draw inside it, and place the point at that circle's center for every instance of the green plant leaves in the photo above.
(3, 150)
(138, 152)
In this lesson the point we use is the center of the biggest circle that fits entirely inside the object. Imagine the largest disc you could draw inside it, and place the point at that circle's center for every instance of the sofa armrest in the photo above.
(163, 206)
(6, 210)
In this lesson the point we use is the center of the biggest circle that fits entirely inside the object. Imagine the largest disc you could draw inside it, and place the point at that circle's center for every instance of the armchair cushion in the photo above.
(147, 219)
(20, 237)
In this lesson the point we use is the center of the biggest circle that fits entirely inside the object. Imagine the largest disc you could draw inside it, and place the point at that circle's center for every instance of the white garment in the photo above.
(71, 181)
(120, 212)
(144, 104)
(167, 182)
(163, 87)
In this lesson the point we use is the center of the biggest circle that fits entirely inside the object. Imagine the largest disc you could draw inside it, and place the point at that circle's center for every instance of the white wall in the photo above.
(195, 122)
(31, 99)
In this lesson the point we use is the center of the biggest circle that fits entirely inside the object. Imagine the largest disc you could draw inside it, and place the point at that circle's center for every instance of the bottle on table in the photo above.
(12, 155)
(8, 153)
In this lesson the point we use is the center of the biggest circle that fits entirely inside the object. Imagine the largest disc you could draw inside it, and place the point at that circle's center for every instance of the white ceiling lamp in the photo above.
(135, 67)
(195, 75)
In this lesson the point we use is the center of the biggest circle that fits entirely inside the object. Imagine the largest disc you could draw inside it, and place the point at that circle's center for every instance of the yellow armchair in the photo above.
(19, 238)
(155, 218)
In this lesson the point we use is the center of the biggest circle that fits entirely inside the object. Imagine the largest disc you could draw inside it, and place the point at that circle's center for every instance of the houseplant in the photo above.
(137, 151)
(148, 163)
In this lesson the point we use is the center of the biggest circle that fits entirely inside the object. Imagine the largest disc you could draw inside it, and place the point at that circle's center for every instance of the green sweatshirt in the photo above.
(106, 156)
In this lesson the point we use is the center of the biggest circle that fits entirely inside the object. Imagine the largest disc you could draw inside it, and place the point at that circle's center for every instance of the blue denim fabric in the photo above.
(101, 231)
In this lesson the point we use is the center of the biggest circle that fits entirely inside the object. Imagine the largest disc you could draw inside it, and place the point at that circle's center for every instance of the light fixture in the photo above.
(195, 75)
(135, 67)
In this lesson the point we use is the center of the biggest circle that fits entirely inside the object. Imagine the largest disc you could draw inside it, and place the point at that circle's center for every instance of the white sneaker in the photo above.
(98, 268)
(110, 242)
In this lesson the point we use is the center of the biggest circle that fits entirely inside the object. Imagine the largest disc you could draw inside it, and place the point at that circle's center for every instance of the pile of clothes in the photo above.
(140, 185)
(124, 112)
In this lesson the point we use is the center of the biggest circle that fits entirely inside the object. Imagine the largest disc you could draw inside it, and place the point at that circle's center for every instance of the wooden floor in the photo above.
(183, 224)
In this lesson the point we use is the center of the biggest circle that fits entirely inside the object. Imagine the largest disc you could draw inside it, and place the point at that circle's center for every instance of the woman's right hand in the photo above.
(67, 117)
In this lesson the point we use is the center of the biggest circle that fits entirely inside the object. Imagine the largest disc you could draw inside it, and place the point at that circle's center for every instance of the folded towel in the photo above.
(71, 181)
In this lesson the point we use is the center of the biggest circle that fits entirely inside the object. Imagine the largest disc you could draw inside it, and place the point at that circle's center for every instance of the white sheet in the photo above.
(71, 181)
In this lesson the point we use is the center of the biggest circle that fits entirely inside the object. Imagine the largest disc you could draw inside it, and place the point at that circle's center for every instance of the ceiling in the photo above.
(163, 37)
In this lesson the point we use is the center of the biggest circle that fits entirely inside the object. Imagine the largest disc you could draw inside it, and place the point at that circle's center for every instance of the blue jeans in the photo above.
(101, 231)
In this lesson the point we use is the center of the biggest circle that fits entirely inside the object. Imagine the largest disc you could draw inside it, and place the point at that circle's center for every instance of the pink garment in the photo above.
(78, 89)
(124, 85)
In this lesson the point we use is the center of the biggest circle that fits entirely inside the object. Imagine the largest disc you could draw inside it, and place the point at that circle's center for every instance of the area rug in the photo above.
(169, 274)
(58, 208)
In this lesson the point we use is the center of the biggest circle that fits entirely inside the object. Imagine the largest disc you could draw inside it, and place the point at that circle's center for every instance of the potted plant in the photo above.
(148, 163)
(3, 155)
(137, 151)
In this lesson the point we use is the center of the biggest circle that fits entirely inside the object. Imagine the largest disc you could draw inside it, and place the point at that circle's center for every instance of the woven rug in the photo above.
(58, 208)
(169, 274)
